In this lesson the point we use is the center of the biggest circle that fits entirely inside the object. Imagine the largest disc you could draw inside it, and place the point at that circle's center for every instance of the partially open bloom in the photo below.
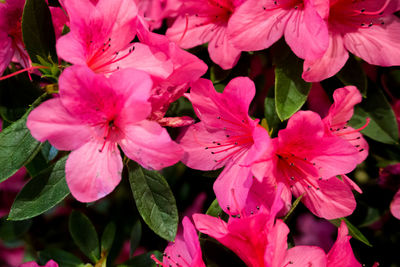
(206, 21)
(185, 251)
(367, 29)
(11, 44)
(92, 115)
(225, 136)
(257, 24)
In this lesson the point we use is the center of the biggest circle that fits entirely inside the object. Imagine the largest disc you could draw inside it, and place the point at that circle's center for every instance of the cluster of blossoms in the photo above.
(122, 77)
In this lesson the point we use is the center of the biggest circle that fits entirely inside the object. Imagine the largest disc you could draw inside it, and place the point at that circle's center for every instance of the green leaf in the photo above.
(295, 203)
(291, 90)
(17, 146)
(136, 235)
(108, 236)
(10, 231)
(143, 260)
(38, 32)
(154, 200)
(84, 235)
(270, 114)
(214, 209)
(63, 258)
(353, 74)
(353, 231)
(49, 152)
(41, 193)
(37, 164)
(383, 125)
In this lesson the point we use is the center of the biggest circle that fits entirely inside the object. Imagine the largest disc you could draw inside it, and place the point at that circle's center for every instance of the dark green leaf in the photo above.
(108, 236)
(136, 235)
(291, 90)
(84, 235)
(10, 231)
(49, 152)
(17, 146)
(353, 74)
(143, 260)
(37, 164)
(295, 203)
(38, 31)
(41, 193)
(383, 125)
(154, 200)
(353, 231)
(63, 258)
(270, 114)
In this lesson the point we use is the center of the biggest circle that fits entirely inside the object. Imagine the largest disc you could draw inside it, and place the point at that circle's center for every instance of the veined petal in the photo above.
(300, 256)
(6, 51)
(51, 121)
(149, 144)
(93, 170)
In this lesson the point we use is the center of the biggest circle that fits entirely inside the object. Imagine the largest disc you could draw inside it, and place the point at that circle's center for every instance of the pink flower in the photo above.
(307, 160)
(206, 21)
(50, 263)
(226, 136)
(367, 28)
(186, 68)
(185, 251)
(260, 240)
(257, 24)
(12, 46)
(11, 256)
(101, 35)
(395, 205)
(92, 115)
(340, 114)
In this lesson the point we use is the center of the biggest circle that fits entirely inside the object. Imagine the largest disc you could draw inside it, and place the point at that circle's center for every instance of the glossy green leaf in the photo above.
(84, 235)
(108, 236)
(291, 90)
(38, 32)
(63, 258)
(17, 146)
(41, 193)
(353, 74)
(136, 236)
(383, 125)
(353, 231)
(271, 115)
(154, 200)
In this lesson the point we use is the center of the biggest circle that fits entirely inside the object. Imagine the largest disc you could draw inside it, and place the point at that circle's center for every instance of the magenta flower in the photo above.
(260, 240)
(50, 263)
(367, 29)
(307, 160)
(12, 46)
(257, 24)
(92, 115)
(206, 21)
(395, 205)
(101, 35)
(226, 136)
(185, 251)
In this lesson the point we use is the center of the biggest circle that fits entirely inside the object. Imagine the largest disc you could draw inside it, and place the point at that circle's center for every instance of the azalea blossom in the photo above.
(206, 21)
(11, 43)
(257, 24)
(185, 251)
(307, 160)
(367, 29)
(225, 136)
(50, 263)
(101, 35)
(92, 115)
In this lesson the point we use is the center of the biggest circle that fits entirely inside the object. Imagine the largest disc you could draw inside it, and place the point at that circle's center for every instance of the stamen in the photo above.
(236, 203)
(154, 258)
(356, 130)
(186, 28)
(373, 13)
(23, 70)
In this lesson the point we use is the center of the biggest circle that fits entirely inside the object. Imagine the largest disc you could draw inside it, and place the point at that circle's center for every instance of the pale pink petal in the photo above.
(330, 200)
(395, 205)
(71, 49)
(329, 64)
(50, 263)
(351, 183)
(301, 256)
(93, 170)
(378, 44)
(252, 27)
(307, 33)
(149, 144)
(51, 121)
(211, 226)
(341, 253)
(191, 238)
(232, 186)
